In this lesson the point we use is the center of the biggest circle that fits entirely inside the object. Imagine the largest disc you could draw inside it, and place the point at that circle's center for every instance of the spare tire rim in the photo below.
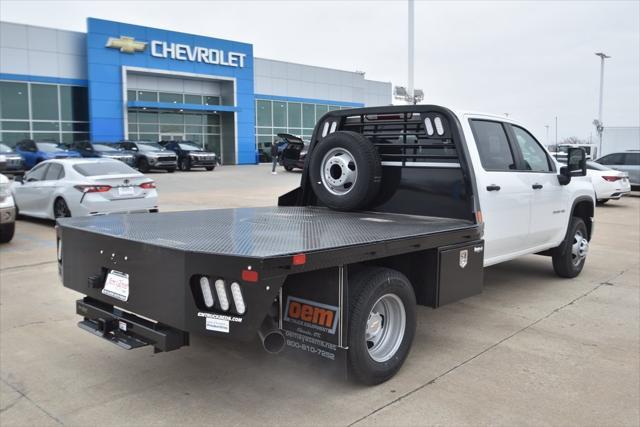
(339, 171)
(385, 327)
(579, 248)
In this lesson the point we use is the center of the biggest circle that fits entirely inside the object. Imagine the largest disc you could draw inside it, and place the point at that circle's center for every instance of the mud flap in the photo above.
(314, 315)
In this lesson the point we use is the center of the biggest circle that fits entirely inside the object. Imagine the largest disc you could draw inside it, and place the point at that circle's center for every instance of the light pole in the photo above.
(598, 122)
(556, 134)
(411, 52)
(547, 128)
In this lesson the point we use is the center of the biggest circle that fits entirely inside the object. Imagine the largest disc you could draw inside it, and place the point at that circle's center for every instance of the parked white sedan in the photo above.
(607, 182)
(82, 187)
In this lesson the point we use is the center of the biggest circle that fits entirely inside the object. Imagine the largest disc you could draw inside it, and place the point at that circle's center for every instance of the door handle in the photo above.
(537, 186)
(493, 187)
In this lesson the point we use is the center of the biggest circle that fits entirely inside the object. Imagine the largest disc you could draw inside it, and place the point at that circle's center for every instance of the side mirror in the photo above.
(19, 178)
(577, 162)
(576, 166)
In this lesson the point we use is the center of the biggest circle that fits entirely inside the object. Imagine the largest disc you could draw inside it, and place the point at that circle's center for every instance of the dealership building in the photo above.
(120, 81)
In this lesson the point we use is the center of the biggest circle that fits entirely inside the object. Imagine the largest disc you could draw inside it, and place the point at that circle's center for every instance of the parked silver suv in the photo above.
(626, 161)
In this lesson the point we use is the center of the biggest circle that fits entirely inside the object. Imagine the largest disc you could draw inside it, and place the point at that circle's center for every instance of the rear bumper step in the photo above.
(127, 330)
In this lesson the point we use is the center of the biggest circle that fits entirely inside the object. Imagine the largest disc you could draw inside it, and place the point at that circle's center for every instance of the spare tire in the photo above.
(345, 171)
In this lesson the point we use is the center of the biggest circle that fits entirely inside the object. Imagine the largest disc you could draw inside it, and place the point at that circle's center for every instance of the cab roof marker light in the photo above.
(222, 295)
(206, 291)
(237, 298)
(299, 259)
(249, 276)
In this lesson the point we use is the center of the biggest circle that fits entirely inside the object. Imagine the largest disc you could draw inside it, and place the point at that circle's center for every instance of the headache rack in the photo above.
(406, 138)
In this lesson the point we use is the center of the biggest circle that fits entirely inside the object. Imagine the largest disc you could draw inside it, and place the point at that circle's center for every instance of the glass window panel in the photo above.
(46, 136)
(46, 126)
(44, 102)
(197, 138)
(148, 96)
(263, 112)
(212, 129)
(172, 118)
(147, 128)
(14, 101)
(334, 107)
(295, 114)
(279, 130)
(212, 100)
(213, 119)
(175, 98)
(534, 156)
(14, 125)
(308, 115)
(193, 119)
(148, 117)
(193, 99)
(133, 136)
(75, 127)
(132, 116)
(295, 131)
(279, 113)
(133, 128)
(149, 137)
(72, 137)
(265, 131)
(131, 95)
(10, 138)
(74, 104)
(320, 111)
(171, 128)
(212, 143)
(493, 146)
(193, 129)
(307, 132)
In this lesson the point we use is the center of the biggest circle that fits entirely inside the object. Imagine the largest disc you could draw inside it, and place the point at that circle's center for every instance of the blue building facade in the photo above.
(121, 81)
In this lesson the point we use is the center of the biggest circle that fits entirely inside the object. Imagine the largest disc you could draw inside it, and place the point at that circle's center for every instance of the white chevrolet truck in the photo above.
(398, 207)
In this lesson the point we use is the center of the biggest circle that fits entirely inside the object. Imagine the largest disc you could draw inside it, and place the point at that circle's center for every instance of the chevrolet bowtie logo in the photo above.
(126, 44)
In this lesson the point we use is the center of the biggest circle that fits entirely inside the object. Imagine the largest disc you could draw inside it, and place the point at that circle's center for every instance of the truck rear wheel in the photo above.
(382, 324)
(569, 257)
(345, 171)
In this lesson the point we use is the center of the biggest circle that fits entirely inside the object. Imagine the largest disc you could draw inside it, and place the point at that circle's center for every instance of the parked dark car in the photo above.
(293, 152)
(150, 155)
(106, 150)
(34, 152)
(191, 155)
(10, 161)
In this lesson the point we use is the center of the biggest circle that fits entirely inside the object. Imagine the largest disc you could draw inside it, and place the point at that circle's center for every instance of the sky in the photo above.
(533, 60)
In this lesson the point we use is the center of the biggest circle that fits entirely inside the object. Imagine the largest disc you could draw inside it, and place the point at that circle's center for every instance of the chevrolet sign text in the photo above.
(183, 52)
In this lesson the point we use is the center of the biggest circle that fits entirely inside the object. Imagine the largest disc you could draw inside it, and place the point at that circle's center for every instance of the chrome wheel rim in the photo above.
(385, 327)
(579, 248)
(339, 171)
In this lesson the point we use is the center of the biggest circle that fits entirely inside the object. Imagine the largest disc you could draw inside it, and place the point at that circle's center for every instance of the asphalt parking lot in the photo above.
(532, 349)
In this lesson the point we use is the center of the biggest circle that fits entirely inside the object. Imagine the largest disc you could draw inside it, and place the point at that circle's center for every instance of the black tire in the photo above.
(566, 263)
(366, 289)
(184, 164)
(210, 168)
(60, 209)
(7, 231)
(339, 195)
(172, 170)
(143, 165)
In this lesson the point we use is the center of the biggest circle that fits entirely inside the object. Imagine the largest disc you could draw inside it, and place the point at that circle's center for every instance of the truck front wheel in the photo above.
(569, 257)
(382, 323)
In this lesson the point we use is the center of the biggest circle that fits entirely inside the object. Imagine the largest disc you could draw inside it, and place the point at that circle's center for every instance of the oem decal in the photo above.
(311, 314)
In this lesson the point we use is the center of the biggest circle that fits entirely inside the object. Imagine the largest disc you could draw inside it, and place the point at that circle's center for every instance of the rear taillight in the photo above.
(148, 185)
(92, 188)
(612, 178)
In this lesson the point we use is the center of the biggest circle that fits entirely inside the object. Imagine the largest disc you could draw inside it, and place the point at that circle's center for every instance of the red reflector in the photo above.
(249, 276)
(299, 259)
(611, 178)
